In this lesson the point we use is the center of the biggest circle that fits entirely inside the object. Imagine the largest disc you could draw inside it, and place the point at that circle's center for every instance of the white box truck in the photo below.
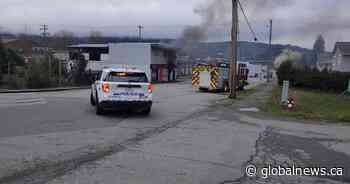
(130, 55)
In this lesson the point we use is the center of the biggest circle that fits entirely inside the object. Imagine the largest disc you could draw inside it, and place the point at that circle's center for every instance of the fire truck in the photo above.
(215, 77)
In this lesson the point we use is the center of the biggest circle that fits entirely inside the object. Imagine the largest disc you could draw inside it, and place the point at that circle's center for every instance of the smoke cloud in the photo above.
(219, 12)
(211, 12)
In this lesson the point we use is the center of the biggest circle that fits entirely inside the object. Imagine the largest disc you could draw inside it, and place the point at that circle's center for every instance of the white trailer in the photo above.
(130, 55)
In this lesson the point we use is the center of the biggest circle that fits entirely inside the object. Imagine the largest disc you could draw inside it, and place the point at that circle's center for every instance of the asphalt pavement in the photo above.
(190, 137)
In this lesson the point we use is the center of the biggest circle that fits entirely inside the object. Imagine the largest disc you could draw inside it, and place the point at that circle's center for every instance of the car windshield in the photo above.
(126, 77)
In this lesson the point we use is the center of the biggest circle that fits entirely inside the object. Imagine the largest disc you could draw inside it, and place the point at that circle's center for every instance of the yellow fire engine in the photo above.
(215, 77)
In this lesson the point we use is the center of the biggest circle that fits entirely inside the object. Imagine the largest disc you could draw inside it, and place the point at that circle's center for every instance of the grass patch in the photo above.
(245, 93)
(311, 105)
(240, 95)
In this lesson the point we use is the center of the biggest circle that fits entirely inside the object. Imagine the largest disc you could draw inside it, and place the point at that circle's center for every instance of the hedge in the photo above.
(312, 78)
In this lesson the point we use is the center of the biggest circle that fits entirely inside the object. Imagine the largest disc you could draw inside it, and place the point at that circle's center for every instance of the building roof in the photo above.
(343, 47)
(89, 46)
(8, 40)
(163, 46)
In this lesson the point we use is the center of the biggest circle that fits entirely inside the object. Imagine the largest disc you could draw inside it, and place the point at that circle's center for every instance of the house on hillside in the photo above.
(341, 57)
(157, 60)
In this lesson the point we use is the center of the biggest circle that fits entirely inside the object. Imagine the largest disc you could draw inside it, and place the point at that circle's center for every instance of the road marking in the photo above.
(251, 109)
(22, 102)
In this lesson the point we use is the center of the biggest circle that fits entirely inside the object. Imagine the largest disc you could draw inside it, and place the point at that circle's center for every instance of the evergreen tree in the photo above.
(319, 45)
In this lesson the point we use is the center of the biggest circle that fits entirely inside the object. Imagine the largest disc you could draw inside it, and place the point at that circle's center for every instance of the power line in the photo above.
(247, 21)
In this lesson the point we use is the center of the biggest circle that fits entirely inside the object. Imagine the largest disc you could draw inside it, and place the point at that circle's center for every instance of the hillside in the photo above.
(246, 51)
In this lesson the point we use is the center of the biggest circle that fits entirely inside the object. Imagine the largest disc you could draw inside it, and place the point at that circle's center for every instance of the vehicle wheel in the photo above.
(146, 111)
(92, 101)
(99, 109)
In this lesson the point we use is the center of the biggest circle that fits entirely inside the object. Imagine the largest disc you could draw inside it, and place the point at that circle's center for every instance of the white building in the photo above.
(156, 59)
(341, 57)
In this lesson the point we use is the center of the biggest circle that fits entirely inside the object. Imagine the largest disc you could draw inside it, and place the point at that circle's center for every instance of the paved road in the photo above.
(189, 138)
(38, 113)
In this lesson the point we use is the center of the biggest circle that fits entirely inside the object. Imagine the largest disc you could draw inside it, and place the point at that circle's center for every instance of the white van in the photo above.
(122, 89)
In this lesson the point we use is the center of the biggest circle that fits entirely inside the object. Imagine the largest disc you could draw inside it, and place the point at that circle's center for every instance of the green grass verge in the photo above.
(312, 105)
(241, 95)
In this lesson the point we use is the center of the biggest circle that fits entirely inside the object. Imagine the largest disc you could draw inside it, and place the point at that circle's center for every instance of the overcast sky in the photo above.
(295, 21)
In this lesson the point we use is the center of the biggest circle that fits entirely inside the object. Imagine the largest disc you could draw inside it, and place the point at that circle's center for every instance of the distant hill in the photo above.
(247, 51)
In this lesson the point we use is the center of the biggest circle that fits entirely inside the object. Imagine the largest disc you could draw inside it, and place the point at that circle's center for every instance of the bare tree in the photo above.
(95, 37)
(62, 39)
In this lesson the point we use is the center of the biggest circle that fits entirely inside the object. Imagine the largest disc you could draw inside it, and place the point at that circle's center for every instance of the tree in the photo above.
(285, 72)
(9, 56)
(288, 55)
(1, 45)
(36, 77)
(1, 59)
(79, 74)
(95, 37)
(62, 39)
(319, 45)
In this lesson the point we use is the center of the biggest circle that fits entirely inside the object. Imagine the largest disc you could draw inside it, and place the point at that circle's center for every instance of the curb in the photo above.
(44, 90)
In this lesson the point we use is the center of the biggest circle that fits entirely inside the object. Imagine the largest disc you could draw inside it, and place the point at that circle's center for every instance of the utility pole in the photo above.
(234, 42)
(59, 72)
(44, 28)
(140, 31)
(8, 69)
(270, 52)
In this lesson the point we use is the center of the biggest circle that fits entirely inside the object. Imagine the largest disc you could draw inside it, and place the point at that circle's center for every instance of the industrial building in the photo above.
(156, 59)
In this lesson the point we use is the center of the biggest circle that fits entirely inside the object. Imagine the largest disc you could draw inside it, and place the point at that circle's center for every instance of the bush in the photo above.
(312, 78)
(37, 75)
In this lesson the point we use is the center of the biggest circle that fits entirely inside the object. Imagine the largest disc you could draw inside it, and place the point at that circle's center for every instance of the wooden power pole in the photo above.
(270, 52)
(44, 28)
(234, 43)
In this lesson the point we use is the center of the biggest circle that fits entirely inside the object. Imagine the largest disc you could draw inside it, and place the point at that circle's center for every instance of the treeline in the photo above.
(308, 78)
(9, 60)
(43, 71)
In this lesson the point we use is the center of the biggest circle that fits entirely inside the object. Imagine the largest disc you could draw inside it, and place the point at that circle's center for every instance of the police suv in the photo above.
(122, 89)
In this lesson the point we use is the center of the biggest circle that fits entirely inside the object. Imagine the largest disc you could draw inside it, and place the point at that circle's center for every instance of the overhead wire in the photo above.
(248, 22)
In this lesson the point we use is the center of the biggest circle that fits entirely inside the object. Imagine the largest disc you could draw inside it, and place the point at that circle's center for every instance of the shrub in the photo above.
(37, 75)
(312, 78)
